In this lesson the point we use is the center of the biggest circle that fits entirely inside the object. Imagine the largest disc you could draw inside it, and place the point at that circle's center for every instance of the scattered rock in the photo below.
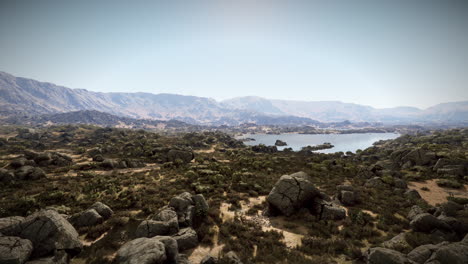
(48, 231)
(426, 222)
(14, 249)
(397, 243)
(280, 143)
(453, 253)
(380, 255)
(151, 228)
(291, 192)
(10, 221)
(414, 211)
(142, 251)
(186, 238)
(375, 182)
(232, 258)
(412, 194)
(332, 212)
(209, 260)
(102, 209)
(422, 253)
(29, 173)
(88, 217)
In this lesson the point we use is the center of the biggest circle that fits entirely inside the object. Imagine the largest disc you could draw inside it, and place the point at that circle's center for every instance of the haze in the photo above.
(367, 52)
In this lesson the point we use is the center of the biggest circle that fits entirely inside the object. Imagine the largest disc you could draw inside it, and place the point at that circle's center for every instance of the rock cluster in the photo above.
(42, 235)
(94, 215)
(166, 233)
(295, 191)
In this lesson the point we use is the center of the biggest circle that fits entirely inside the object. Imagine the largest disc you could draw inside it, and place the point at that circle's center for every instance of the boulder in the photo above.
(332, 212)
(186, 238)
(422, 253)
(110, 164)
(380, 255)
(201, 206)
(171, 248)
(419, 157)
(48, 231)
(10, 221)
(455, 224)
(88, 217)
(347, 197)
(397, 243)
(280, 143)
(14, 249)
(151, 228)
(291, 192)
(169, 217)
(142, 251)
(426, 222)
(103, 210)
(414, 211)
(453, 253)
(183, 205)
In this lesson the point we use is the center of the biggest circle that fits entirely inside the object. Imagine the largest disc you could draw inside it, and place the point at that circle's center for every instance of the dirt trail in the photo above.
(436, 194)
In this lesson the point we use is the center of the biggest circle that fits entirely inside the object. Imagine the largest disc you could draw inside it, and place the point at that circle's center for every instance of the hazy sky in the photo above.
(378, 53)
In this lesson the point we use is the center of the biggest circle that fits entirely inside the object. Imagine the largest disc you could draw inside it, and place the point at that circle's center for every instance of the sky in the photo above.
(378, 53)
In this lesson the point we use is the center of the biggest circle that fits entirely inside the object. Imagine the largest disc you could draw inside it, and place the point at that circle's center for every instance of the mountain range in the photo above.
(22, 96)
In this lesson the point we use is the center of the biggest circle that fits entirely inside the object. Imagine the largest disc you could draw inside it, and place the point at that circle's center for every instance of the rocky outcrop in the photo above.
(29, 173)
(188, 207)
(102, 209)
(48, 231)
(232, 258)
(347, 194)
(426, 222)
(14, 249)
(280, 143)
(291, 192)
(422, 253)
(397, 243)
(7, 222)
(375, 182)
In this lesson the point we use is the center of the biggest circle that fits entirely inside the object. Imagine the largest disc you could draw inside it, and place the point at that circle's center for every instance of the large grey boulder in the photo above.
(412, 195)
(48, 231)
(171, 247)
(14, 250)
(186, 238)
(380, 255)
(419, 157)
(422, 253)
(103, 210)
(291, 192)
(426, 222)
(88, 217)
(454, 253)
(142, 251)
(151, 228)
(332, 212)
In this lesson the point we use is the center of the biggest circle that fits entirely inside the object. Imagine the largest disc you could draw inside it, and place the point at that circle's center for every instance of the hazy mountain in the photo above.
(25, 96)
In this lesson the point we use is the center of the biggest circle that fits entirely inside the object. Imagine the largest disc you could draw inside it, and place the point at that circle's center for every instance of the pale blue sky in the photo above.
(378, 53)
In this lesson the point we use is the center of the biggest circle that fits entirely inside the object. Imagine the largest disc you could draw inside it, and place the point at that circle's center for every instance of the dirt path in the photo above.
(436, 194)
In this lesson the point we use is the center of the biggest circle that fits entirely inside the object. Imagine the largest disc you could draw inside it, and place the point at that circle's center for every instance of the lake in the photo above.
(342, 142)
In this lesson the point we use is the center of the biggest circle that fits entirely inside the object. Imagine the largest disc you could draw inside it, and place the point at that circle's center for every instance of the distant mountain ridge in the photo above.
(26, 96)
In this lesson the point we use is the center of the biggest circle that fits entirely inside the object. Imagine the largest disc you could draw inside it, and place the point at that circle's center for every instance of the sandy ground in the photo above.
(436, 194)
(210, 150)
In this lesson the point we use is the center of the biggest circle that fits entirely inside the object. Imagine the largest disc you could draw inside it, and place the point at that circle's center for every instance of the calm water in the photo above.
(342, 142)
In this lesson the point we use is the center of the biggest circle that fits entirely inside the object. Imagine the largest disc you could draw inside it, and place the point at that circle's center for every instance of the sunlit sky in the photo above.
(377, 53)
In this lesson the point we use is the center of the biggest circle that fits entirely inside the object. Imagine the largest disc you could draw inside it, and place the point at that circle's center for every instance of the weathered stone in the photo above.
(386, 256)
(59, 257)
(142, 251)
(88, 217)
(397, 243)
(10, 221)
(412, 194)
(14, 250)
(331, 212)
(102, 209)
(454, 253)
(291, 192)
(151, 228)
(19, 162)
(347, 197)
(186, 238)
(426, 222)
(201, 206)
(422, 253)
(48, 231)
(414, 211)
